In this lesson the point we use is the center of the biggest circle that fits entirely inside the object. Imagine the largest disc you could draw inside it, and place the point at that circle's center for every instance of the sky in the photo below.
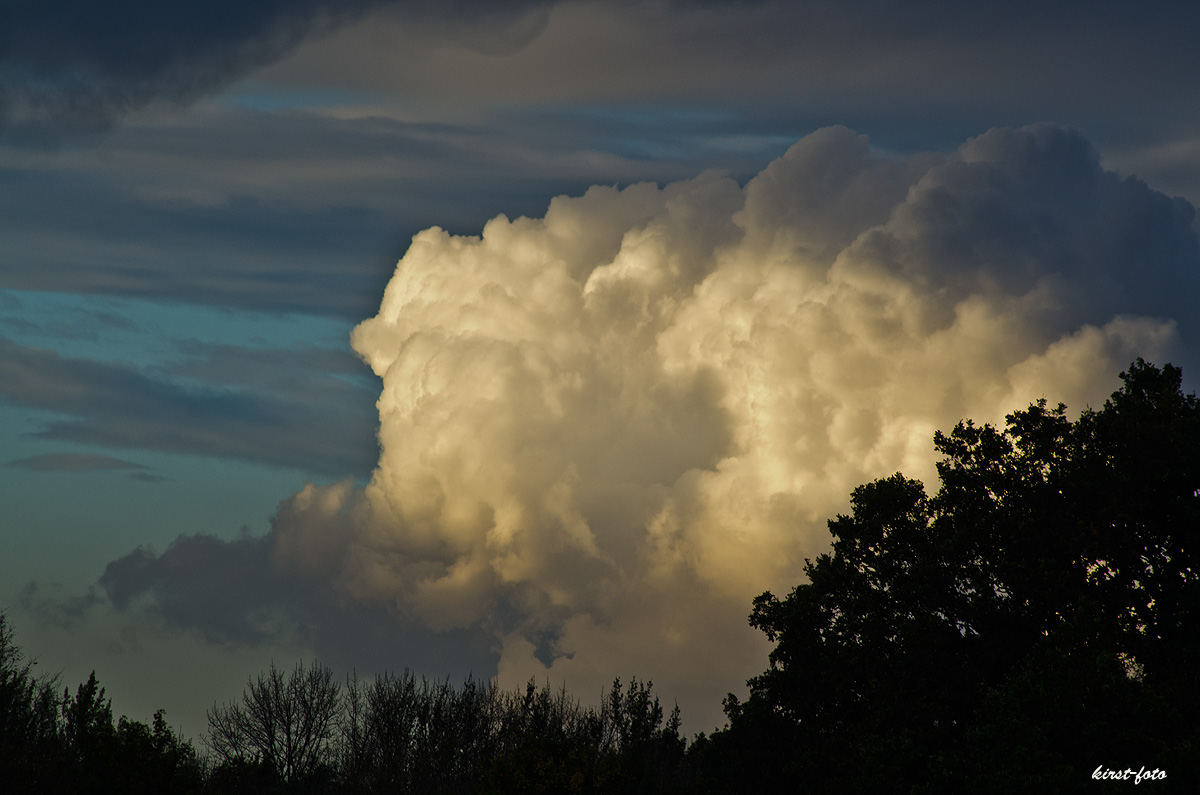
(536, 339)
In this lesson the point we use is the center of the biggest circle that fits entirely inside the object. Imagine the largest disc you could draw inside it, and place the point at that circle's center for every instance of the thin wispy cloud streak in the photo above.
(147, 477)
(309, 217)
(238, 251)
(73, 462)
(303, 424)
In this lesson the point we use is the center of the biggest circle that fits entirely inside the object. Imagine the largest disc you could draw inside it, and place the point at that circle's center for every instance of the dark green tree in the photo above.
(89, 734)
(69, 744)
(1037, 617)
(31, 749)
(639, 752)
(152, 759)
(547, 744)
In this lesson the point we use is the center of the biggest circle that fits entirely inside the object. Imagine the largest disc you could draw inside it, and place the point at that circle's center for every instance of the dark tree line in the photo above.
(1035, 620)
(64, 743)
(304, 732)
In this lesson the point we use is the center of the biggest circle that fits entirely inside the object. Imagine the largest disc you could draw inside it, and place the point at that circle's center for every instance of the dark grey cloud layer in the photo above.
(54, 606)
(285, 211)
(288, 210)
(78, 65)
(222, 401)
(225, 590)
(93, 236)
(232, 592)
(72, 462)
(928, 65)
(81, 65)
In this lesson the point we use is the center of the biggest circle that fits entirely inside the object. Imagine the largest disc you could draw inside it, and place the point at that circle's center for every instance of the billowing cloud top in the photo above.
(604, 431)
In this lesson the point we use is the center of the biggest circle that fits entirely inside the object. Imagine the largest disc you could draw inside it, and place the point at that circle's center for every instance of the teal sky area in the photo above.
(70, 505)
(191, 230)
(140, 495)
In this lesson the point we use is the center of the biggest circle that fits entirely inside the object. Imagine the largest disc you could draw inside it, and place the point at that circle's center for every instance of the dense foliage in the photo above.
(1034, 620)
(70, 744)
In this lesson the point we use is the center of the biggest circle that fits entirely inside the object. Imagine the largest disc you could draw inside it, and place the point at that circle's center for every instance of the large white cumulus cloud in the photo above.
(605, 431)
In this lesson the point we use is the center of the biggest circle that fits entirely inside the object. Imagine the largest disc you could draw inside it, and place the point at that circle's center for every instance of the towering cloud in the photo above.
(604, 431)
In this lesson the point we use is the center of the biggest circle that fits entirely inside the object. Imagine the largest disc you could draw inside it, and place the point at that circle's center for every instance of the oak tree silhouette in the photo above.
(1035, 618)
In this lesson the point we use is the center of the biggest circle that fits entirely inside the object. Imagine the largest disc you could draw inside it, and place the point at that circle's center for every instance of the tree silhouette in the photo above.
(403, 735)
(69, 744)
(301, 732)
(283, 729)
(148, 760)
(1033, 619)
(29, 707)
